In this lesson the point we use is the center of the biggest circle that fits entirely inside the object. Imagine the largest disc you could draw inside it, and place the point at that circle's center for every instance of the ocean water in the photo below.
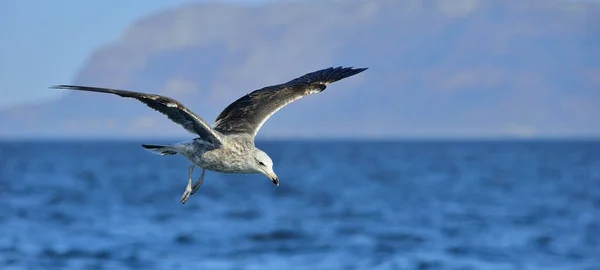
(341, 205)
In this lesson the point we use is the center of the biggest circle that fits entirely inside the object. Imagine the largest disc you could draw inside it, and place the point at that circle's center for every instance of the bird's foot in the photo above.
(187, 193)
(188, 189)
(198, 183)
(195, 187)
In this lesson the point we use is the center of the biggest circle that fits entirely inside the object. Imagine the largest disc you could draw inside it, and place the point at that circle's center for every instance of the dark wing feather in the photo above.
(249, 113)
(173, 109)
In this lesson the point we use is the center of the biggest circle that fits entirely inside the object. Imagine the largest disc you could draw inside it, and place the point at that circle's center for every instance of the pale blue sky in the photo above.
(45, 42)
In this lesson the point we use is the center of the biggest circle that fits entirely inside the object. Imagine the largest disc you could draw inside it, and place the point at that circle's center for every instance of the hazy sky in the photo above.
(45, 42)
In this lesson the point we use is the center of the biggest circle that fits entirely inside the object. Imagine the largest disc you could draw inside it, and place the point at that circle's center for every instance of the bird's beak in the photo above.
(274, 178)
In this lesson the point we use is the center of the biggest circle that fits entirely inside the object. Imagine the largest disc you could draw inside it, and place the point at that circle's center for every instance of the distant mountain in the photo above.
(462, 68)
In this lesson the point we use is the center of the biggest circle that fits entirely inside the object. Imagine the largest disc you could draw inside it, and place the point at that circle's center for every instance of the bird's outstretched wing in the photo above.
(249, 113)
(173, 109)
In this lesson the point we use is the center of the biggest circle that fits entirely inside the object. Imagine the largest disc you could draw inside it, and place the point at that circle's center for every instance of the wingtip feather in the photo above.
(62, 86)
(340, 72)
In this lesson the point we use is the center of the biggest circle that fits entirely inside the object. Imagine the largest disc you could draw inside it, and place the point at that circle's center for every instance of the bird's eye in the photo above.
(261, 164)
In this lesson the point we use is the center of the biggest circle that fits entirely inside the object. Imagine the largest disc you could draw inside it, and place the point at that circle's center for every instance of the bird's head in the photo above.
(262, 163)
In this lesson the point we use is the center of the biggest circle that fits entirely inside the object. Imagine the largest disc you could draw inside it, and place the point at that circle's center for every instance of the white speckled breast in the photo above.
(232, 157)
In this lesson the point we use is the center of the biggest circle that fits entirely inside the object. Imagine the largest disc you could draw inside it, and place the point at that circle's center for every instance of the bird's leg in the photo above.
(198, 183)
(188, 188)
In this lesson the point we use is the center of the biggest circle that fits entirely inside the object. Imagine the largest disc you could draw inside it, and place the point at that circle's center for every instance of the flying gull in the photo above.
(228, 146)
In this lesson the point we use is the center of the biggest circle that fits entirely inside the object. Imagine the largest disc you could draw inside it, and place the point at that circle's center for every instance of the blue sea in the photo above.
(341, 205)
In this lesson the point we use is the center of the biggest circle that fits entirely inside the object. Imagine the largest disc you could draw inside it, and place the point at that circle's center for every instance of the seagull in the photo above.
(228, 145)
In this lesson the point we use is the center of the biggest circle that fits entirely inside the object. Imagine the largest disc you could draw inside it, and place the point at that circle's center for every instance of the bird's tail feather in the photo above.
(160, 149)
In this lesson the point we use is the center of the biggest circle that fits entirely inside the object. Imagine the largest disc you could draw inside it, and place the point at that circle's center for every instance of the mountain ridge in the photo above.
(472, 69)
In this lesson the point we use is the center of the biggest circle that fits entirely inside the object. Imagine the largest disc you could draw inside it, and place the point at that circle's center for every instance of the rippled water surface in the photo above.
(341, 205)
